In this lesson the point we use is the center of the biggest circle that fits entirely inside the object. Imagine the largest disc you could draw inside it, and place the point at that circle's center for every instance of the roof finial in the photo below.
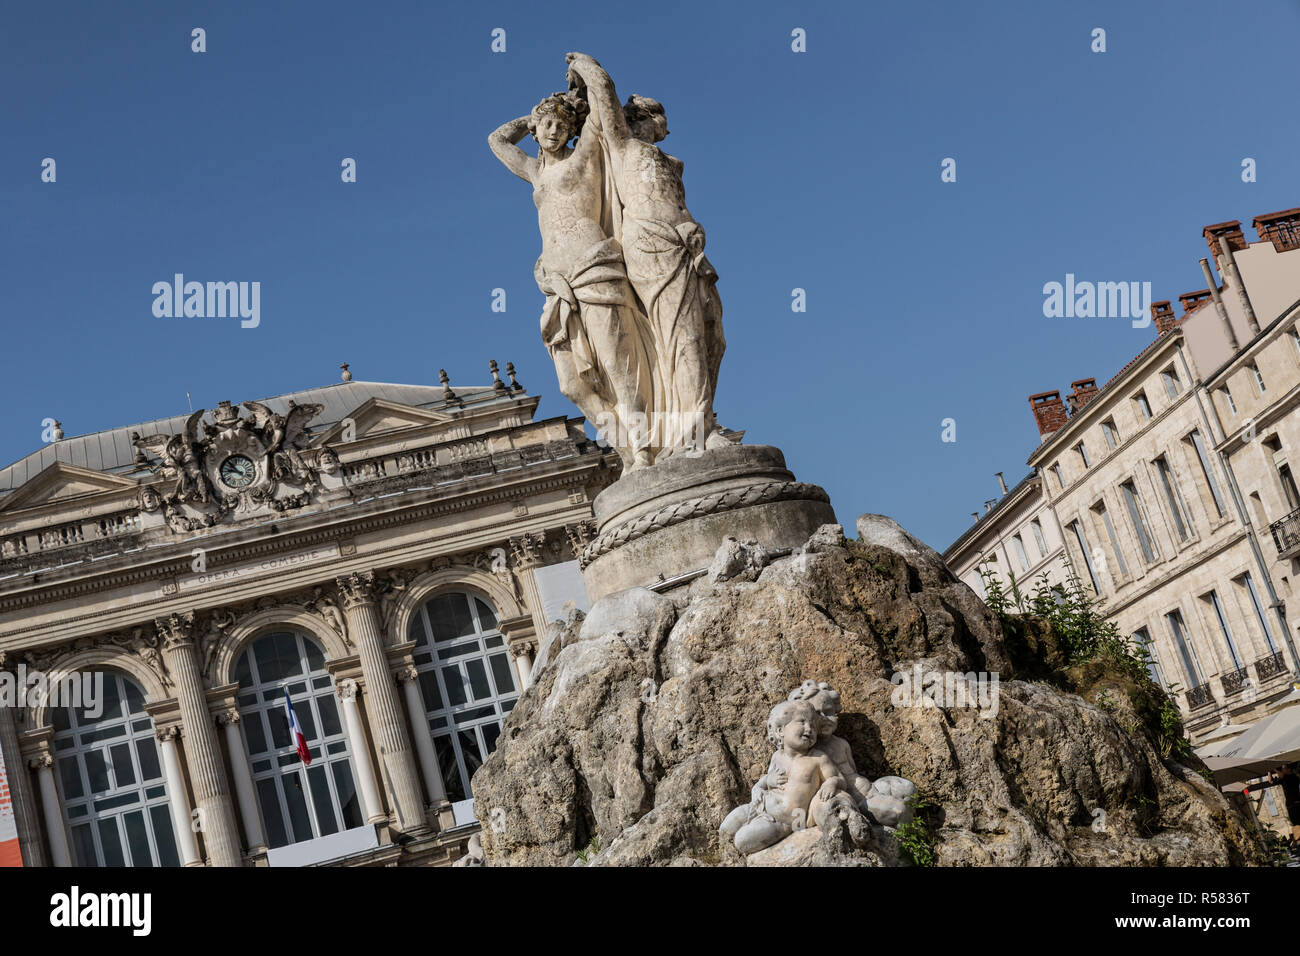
(347, 376)
(514, 382)
(497, 384)
(447, 394)
(58, 430)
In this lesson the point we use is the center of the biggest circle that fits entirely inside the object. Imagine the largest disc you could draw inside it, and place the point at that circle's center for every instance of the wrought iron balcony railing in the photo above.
(1266, 667)
(1234, 681)
(1199, 697)
(1286, 535)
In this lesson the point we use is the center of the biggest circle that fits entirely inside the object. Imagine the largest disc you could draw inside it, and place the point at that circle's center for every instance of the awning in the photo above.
(1271, 742)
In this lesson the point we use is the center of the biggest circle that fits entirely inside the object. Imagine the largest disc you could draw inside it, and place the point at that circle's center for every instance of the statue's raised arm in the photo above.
(606, 114)
(504, 140)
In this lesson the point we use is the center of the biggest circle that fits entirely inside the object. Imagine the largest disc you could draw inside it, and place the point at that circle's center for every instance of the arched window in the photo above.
(298, 802)
(114, 795)
(467, 682)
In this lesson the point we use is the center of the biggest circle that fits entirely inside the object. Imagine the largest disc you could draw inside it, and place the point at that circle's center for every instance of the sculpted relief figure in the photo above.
(589, 323)
(632, 317)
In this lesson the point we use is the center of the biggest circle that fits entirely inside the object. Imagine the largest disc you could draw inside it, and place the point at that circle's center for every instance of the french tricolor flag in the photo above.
(299, 739)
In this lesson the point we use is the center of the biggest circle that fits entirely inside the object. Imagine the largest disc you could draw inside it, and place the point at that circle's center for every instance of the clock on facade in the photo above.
(237, 472)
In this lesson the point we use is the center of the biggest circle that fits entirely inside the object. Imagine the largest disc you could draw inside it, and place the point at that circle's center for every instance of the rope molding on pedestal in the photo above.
(719, 501)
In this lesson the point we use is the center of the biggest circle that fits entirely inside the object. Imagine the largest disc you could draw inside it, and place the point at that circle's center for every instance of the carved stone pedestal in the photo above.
(668, 520)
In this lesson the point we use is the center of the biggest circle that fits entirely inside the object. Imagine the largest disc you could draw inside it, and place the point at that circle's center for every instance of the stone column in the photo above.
(43, 764)
(371, 805)
(357, 592)
(524, 652)
(202, 750)
(526, 554)
(26, 820)
(254, 832)
(182, 814)
(407, 676)
(521, 641)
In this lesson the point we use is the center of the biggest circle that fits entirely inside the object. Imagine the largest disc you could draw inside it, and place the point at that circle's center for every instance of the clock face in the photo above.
(238, 472)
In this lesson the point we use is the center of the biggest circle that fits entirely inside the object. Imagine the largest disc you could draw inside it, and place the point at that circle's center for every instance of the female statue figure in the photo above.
(663, 247)
(591, 324)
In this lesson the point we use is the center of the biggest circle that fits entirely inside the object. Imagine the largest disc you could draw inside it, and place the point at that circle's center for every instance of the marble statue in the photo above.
(632, 318)
(885, 800)
(802, 786)
(812, 779)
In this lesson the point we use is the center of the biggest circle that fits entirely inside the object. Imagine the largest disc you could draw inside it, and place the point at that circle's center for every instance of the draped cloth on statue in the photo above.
(677, 287)
(591, 312)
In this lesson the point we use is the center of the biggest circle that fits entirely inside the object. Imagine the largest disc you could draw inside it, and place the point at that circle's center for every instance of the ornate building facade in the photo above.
(386, 557)
(1171, 486)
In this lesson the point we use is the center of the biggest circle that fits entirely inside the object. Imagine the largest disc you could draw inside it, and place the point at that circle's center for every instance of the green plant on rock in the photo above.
(589, 854)
(919, 837)
(1085, 651)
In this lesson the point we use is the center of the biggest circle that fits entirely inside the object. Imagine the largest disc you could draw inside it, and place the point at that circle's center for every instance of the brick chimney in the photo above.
(1280, 228)
(1163, 313)
(1049, 412)
(1236, 238)
(1192, 300)
(1085, 390)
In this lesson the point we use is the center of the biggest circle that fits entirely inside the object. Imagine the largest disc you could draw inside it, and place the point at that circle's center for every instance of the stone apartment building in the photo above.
(1170, 486)
(387, 557)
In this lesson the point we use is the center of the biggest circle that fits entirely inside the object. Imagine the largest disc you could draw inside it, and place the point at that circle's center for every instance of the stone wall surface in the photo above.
(646, 726)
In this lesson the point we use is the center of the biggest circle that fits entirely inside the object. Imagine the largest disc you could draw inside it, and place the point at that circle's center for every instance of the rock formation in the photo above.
(647, 725)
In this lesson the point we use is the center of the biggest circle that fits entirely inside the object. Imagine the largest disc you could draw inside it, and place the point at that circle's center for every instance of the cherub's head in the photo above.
(557, 119)
(793, 724)
(825, 700)
(646, 118)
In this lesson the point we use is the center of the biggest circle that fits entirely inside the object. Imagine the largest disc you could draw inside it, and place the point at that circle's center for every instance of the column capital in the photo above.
(356, 589)
(405, 673)
(347, 689)
(227, 715)
(580, 534)
(42, 760)
(175, 630)
(526, 549)
(168, 732)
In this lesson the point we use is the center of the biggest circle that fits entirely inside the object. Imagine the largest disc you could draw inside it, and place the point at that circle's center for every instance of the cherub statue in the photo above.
(884, 800)
(801, 788)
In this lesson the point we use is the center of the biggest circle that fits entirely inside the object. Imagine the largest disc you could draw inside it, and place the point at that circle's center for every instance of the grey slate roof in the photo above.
(111, 450)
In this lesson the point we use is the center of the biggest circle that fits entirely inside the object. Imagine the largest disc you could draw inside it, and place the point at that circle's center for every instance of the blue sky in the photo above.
(818, 170)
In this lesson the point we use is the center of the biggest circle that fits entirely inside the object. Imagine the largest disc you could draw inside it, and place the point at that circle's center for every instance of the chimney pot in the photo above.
(1194, 300)
(1232, 230)
(1280, 228)
(1084, 391)
(1163, 313)
(1049, 412)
